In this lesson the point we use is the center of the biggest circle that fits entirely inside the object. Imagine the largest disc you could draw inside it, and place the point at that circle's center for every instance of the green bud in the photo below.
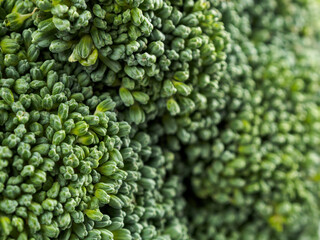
(105, 105)
(58, 137)
(28, 170)
(147, 183)
(119, 175)
(181, 75)
(18, 223)
(23, 236)
(95, 214)
(8, 206)
(98, 11)
(5, 225)
(63, 111)
(16, 20)
(182, 31)
(49, 204)
(35, 159)
(36, 84)
(64, 220)
(47, 102)
(168, 89)
(52, 79)
(28, 188)
(47, 66)
(136, 16)
(87, 139)
(182, 88)
(8, 45)
(94, 234)
(34, 225)
(7, 95)
(146, 27)
(126, 96)
(53, 192)
(156, 48)
(80, 230)
(136, 114)
(78, 97)
(12, 191)
(178, 44)
(55, 122)
(106, 234)
(38, 178)
(99, 130)
(113, 65)
(81, 128)
(108, 168)
(59, 9)
(23, 117)
(99, 74)
(146, 59)
(194, 43)
(173, 107)
(149, 172)
(92, 120)
(33, 53)
(124, 129)
(204, 80)
(43, 149)
(122, 234)
(12, 72)
(11, 60)
(36, 208)
(61, 24)
(118, 52)
(84, 52)
(116, 202)
(91, 60)
(58, 46)
(132, 47)
(4, 116)
(168, 26)
(141, 97)
(102, 196)
(134, 32)
(126, 16)
(7, 82)
(135, 73)
(51, 231)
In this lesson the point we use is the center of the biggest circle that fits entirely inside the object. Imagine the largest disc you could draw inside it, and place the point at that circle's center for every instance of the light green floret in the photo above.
(149, 52)
(56, 152)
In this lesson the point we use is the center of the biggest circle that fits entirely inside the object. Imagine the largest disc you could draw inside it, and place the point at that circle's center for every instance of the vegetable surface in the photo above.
(159, 119)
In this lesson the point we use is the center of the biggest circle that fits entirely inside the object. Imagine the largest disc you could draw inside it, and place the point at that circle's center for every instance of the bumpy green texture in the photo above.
(69, 168)
(255, 163)
(159, 120)
(150, 52)
(61, 162)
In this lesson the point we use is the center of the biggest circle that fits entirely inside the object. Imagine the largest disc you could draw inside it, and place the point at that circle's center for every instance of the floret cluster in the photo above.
(159, 120)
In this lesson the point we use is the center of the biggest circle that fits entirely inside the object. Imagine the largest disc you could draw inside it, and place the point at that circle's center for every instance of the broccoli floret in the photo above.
(61, 159)
(252, 159)
(160, 120)
(159, 47)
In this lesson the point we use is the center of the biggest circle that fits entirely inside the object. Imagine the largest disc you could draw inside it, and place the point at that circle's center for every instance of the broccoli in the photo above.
(150, 52)
(61, 159)
(254, 171)
(159, 120)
